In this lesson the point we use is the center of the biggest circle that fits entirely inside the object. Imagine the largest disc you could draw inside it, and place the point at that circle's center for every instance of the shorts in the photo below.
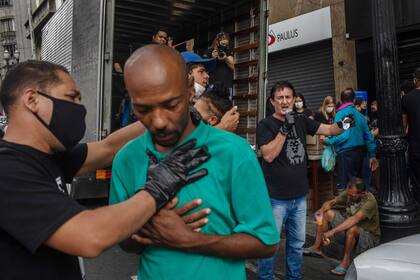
(366, 239)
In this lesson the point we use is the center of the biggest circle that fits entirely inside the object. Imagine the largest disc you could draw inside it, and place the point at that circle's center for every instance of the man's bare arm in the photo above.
(348, 223)
(168, 229)
(329, 130)
(101, 153)
(271, 150)
(91, 232)
(239, 245)
(195, 221)
(328, 205)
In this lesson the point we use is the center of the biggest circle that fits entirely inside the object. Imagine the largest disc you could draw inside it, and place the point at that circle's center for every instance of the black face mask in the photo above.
(67, 121)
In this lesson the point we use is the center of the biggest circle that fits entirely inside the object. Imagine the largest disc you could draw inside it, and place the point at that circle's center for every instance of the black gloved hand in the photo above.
(166, 178)
(346, 122)
(288, 124)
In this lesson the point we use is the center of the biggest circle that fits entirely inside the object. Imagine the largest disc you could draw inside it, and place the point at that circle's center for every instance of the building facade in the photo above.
(313, 51)
(45, 26)
(7, 38)
(344, 58)
(23, 42)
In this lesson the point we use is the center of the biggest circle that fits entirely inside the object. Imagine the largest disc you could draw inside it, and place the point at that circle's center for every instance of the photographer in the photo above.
(223, 72)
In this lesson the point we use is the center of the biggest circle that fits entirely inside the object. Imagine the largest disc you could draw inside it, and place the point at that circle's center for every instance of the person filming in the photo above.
(220, 51)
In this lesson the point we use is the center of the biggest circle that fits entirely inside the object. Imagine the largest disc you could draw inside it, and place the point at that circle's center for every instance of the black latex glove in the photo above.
(166, 178)
(346, 122)
(288, 124)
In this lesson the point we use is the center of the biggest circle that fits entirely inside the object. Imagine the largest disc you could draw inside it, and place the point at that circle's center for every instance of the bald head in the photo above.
(155, 66)
(156, 80)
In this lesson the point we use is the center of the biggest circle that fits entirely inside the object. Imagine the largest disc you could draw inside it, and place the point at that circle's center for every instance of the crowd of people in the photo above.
(186, 194)
(216, 67)
(352, 217)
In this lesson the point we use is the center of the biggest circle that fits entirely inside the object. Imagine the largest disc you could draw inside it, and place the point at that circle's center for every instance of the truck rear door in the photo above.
(90, 64)
(87, 61)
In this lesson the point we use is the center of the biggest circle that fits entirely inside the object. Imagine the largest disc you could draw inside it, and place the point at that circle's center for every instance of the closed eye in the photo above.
(172, 105)
(141, 110)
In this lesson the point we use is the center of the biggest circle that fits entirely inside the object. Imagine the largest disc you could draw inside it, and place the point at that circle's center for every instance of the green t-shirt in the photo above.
(368, 206)
(234, 190)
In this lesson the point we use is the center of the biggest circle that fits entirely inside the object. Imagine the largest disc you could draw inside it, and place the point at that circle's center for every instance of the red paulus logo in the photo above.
(271, 39)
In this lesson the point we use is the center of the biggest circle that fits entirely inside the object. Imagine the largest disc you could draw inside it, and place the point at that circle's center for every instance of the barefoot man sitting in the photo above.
(356, 226)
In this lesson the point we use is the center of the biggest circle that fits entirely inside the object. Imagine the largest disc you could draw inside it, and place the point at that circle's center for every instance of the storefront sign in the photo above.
(301, 30)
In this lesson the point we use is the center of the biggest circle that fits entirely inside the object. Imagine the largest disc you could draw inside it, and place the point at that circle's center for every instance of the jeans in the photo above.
(292, 214)
(350, 164)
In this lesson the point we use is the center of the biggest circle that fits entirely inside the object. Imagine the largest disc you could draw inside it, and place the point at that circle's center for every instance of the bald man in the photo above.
(240, 225)
(42, 229)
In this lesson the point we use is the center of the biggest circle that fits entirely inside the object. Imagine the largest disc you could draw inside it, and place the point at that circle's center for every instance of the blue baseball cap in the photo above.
(191, 57)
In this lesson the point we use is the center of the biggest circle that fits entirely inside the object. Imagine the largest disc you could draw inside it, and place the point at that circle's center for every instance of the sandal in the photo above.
(339, 271)
(311, 253)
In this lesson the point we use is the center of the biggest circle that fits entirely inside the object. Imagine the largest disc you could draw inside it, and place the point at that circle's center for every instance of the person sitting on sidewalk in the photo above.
(357, 227)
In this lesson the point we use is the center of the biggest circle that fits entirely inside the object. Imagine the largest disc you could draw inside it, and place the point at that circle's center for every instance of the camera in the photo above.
(222, 51)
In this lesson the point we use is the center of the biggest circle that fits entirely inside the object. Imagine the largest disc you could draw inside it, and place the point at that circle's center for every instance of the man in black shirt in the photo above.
(41, 228)
(281, 138)
(411, 118)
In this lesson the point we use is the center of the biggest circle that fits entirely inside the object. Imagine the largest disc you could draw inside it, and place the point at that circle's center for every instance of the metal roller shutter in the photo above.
(309, 68)
(56, 41)
(409, 58)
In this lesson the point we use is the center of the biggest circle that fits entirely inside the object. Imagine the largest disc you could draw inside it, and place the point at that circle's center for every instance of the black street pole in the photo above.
(399, 212)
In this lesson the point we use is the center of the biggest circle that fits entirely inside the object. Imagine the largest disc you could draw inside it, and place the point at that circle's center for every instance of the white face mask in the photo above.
(199, 89)
(329, 110)
(299, 105)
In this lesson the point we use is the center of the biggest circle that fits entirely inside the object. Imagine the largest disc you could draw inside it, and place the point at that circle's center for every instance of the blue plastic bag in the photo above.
(328, 159)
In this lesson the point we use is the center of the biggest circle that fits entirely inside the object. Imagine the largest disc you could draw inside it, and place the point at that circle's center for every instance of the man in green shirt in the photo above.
(240, 225)
(354, 222)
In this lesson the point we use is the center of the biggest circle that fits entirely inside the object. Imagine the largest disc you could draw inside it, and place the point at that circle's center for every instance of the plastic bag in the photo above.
(328, 159)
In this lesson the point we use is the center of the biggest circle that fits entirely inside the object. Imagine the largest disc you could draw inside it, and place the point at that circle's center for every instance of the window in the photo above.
(4, 3)
(7, 25)
(10, 48)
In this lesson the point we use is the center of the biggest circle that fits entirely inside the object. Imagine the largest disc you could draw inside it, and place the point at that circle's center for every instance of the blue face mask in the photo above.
(67, 121)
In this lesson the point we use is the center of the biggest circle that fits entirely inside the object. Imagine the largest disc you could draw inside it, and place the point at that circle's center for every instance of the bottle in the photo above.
(319, 218)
